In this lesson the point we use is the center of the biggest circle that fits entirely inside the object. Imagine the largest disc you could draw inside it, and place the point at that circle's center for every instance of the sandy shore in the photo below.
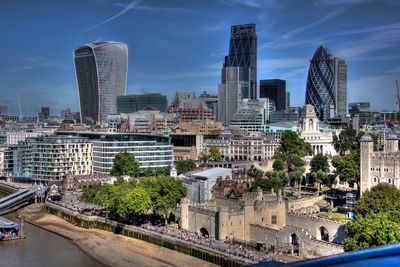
(108, 248)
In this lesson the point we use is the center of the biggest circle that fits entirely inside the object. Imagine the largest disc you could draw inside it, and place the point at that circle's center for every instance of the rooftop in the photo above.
(212, 172)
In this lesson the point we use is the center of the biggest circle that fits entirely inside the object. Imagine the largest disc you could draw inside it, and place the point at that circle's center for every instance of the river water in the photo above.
(42, 248)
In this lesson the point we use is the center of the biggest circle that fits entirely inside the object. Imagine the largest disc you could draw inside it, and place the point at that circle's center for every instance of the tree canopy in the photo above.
(292, 144)
(346, 140)
(377, 219)
(215, 154)
(127, 199)
(319, 163)
(348, 166)
(276, 180)
(278, 165)
(125, 164)
(183, 166)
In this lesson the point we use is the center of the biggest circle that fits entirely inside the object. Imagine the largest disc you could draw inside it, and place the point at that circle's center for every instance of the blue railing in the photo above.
(386, 256)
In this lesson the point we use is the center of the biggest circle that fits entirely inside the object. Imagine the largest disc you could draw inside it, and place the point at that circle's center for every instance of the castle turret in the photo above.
(366, 149)
(185, 214)
(392, 144)
(223, 223)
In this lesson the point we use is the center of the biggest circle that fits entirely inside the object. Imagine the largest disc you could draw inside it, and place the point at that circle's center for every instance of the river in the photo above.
(42, 248)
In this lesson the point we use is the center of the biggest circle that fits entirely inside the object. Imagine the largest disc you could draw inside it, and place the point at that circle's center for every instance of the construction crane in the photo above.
(398, 103)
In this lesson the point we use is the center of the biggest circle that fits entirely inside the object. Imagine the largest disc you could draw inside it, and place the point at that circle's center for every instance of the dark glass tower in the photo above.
(243, 54)
(101, 74)
(320, 88)
(275, 90)
(133, 103)
(239, 72)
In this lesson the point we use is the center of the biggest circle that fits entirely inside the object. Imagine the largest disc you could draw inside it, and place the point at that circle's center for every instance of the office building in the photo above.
(326, 87)
(3, 110)
(151, 151)
(287, 100)
(239, 72)
(133, 103)
(101, 74)
(275, 90)
(44, 114)
(340, 71)
(253, 114)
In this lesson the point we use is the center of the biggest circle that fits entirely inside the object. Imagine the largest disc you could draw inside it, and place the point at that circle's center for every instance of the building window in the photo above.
(273, 219)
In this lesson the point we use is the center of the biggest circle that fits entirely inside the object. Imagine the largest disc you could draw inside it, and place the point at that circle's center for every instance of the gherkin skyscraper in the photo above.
(326, 87)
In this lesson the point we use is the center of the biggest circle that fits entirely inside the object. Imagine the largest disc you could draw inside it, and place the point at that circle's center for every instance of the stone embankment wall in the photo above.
(142, 234)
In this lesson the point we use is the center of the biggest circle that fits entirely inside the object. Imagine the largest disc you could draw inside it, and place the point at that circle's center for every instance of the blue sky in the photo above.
(180, 45)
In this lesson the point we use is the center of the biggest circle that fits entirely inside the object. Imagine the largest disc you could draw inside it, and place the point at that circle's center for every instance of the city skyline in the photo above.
(167, 57)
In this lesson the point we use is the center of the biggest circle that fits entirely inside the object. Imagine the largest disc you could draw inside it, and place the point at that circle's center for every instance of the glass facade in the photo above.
(133, 103)
(243, 54)
(275, 90)
(152, 151)
(320, 88)
(101, 74)
(326, 86)
(239, 72)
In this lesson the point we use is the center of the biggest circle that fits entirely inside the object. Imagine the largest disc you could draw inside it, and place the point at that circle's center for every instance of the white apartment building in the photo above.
(56, 156)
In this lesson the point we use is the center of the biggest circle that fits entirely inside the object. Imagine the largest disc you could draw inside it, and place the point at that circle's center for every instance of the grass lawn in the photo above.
(339, 217)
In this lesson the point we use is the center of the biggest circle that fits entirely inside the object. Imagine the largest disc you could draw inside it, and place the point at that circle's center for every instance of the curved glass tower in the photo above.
(101, 74)
(320, 88)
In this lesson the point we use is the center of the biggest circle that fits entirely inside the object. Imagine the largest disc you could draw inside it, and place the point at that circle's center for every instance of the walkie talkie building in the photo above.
(101, 74)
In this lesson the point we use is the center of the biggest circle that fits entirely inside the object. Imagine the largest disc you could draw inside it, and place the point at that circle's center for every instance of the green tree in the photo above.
(125, 164)
(215, 154)
(90, 192)
(278, 165)
(254, 172)
(346, 141)
(164, 192)
(377, 219)
(348, 167)
(319, 163)
(292, 144)
(381, 198)
(183, 166)
(371, 231)
(135, 202)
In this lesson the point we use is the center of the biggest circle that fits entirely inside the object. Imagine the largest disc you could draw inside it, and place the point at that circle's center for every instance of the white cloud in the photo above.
(35, 61)
(127, 8)
(269, 65)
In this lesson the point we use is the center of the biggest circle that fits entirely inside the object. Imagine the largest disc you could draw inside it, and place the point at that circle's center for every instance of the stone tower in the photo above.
(392, 144)
(366, 150)
(223, 223)
(185, 213)
(308, 120)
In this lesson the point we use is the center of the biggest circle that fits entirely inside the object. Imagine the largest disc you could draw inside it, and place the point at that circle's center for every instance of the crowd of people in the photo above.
(228, 248)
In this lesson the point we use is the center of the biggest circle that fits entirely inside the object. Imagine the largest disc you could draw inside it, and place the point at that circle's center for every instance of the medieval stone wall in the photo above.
(313, 224)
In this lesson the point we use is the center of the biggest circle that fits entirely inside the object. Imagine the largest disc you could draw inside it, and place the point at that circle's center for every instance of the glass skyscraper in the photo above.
(326, 87)
(239, 72)
(101, 74)
(133, 103)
